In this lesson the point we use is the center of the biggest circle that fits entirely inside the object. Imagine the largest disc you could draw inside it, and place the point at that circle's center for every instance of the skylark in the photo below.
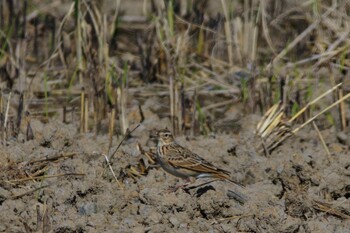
(181, 162)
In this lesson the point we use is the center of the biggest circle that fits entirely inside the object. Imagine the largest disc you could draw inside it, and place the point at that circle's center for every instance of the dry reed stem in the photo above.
(45, 222)
(133, 172)
(13, 197)
(342, 112)
(328, 56)
(172, 102)
(273, 124)
(128, 133)
(86, 115)
(228, 32)
(99, 29)
(265, 27)
(46, 177)
(1, 102)
(59, 32)
(7, 111)
(123, 119)
(328, 208)
(194, 25)
(78, 41)
(217, 105)
(64, 155)
(310, 59)
(281, 136)
(274, 131)
(322, 141)
(82, 105)
(320, 113)
(268, 119)
(300, 37)
(313, 102)
(149, 154)
(111, 127)
(28, 192)
(111, 169)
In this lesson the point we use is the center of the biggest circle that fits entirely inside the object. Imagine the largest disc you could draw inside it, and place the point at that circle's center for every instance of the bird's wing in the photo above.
(181, 157)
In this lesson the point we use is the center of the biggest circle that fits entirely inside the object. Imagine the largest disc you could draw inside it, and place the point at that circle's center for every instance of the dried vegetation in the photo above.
(84, 62)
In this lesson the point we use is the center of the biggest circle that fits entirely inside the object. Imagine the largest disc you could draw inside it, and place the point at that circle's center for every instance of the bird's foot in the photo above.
(184, 186)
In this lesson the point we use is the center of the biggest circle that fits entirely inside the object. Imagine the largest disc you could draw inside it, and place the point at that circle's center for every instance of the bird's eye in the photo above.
(166, 135)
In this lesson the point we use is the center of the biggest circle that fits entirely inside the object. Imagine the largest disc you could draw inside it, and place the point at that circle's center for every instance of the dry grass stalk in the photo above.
(43, 220)
(109, 160)
(123, 119)
(172, 103)
(274, 128)
(122, 93)
(150, 155)
(300, 37)
(33, 170)
(45, 177)
(82, 112)
(314, 101)
(265, 26)
(29, 130)
(111, 127)
(79, 41)
(54, 158)
(128, 133)
(6, 117)
(112, 171)
(342, 110)
(228, 32)
(28, 192)
(190, 116)
(86, 115)
(147, 161)
(322, 140)
(323, 111)
(140, 169)
(1, 102)
(330, 209)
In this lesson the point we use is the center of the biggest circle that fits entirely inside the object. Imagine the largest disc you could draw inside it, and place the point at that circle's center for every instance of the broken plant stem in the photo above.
(342, 111)
(320, 113)
(128, 133)
(314, 101)
(47, 176)
(86, 116)
(322, 140)
(82, 105)
(111, 127)
(110, 168)
(7, 110)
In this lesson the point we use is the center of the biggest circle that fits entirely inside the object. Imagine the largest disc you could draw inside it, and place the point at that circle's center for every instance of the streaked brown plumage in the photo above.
(181, 162)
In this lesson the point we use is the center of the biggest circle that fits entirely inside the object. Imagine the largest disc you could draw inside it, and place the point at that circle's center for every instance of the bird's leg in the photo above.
(188, 181)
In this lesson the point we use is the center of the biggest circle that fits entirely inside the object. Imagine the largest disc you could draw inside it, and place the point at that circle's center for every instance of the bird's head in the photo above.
(165, 137)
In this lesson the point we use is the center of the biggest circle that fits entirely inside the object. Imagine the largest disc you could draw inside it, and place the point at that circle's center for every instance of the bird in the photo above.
(182, 162)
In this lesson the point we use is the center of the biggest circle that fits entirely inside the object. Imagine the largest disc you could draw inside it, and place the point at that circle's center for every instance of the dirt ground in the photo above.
(297, 188)
(158, 57)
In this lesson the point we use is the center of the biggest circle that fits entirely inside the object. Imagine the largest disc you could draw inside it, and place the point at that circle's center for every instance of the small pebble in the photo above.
(173, 220)
(343, 138)
(88, 209)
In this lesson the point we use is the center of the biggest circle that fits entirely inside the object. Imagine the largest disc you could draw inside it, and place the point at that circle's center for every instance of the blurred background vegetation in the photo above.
(201, 63)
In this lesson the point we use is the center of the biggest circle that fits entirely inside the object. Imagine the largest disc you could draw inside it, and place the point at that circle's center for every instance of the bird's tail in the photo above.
(225, 175)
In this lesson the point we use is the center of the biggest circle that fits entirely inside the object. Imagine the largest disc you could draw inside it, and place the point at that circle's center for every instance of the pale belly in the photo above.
(179, 172)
